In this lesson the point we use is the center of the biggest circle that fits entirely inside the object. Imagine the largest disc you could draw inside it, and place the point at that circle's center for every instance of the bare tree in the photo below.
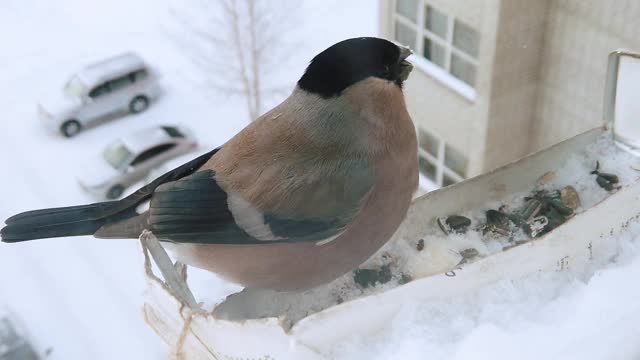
(240, 45)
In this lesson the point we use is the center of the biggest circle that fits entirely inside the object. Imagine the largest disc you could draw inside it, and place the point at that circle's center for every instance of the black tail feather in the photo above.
(59, 222)
(91, 212)
(87, 219)
(17, 233)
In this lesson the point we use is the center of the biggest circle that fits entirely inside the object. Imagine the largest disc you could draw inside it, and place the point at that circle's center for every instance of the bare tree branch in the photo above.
(255, 59)
(239, 44)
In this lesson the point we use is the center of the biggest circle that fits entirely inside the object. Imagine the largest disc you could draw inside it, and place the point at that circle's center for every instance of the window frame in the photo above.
(441, 73)
(103, 85)
(125, 79)
(438, 160)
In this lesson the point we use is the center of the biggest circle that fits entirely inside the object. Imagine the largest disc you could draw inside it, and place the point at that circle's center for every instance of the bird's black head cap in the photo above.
(353, 60)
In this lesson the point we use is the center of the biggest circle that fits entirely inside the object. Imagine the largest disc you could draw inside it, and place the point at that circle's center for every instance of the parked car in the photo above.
(129, 159)
(116, 86)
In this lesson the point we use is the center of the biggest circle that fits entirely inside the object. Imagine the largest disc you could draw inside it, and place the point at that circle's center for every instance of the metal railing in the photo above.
(611, 95)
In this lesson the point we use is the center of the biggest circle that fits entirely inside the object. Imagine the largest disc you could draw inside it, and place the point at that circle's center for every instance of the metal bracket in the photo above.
(611, 86)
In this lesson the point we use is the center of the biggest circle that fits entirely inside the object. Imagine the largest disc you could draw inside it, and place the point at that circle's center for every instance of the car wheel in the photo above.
(70, 128)
(139, 104)
(115, 192)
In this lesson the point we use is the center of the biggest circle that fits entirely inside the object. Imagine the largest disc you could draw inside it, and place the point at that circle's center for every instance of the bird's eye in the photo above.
(385, 70)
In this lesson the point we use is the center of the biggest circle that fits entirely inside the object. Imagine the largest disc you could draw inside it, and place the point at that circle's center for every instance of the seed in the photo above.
(547, 177)
(442, 225)
(371, 277)
(560, 207)
(604, 183)
(469, 253)
(605, 180)
(570, 198)
(612, 178)
(497, 218)
(555, 219)
(458, 223)
(530, 210)
(536, 226)
(404, 279)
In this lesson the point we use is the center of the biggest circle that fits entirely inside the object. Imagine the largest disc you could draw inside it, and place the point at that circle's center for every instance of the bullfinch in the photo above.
(304, 194)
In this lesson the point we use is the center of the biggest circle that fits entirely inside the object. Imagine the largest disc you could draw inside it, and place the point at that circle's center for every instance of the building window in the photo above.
(438, 161)
(439, 38)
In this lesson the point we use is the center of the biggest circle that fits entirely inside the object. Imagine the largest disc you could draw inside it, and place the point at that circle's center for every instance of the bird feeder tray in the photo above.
(230, 332)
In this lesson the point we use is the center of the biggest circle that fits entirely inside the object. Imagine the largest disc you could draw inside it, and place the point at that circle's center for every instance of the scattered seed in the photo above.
(530, 210)
(497, 222)
(371, 277)
(605, 180)
(497, 217)
(570, 198)
(536, 226)
(546, 177)
(560, 207)
(405, 279)
(458, 223)
(442, 226)
(604, 183)
(612, 178)
(469, 253)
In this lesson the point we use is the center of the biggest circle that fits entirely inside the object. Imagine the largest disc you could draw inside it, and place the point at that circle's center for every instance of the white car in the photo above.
(116, 86)
(129, 159)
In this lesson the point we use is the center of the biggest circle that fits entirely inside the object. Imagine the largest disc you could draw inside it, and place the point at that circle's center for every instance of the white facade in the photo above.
(498, 79)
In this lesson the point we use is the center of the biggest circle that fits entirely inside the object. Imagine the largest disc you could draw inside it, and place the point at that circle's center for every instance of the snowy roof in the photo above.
(111, 67)
(144, 139)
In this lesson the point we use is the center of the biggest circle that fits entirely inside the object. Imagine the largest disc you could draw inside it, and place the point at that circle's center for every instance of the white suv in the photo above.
(116, 86)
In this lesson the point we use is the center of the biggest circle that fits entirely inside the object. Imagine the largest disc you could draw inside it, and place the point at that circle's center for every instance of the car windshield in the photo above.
(116, 154)
(75, 87)
(173, 132)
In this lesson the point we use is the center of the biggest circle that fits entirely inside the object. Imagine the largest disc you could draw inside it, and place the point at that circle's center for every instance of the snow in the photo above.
(542, 316)
(82, 297)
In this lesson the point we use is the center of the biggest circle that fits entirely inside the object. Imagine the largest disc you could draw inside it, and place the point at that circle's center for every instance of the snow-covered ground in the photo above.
(81, 297)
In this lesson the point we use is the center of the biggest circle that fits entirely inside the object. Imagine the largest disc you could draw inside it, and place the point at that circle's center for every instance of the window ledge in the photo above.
(444, 77)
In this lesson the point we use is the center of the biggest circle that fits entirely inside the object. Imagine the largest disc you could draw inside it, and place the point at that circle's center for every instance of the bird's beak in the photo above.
(405, 52)
(405, 66)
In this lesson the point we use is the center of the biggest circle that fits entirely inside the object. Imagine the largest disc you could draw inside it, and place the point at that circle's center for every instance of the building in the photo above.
(498, 79)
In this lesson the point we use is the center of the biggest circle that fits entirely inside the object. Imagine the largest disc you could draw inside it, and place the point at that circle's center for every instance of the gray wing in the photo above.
(195, 209)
